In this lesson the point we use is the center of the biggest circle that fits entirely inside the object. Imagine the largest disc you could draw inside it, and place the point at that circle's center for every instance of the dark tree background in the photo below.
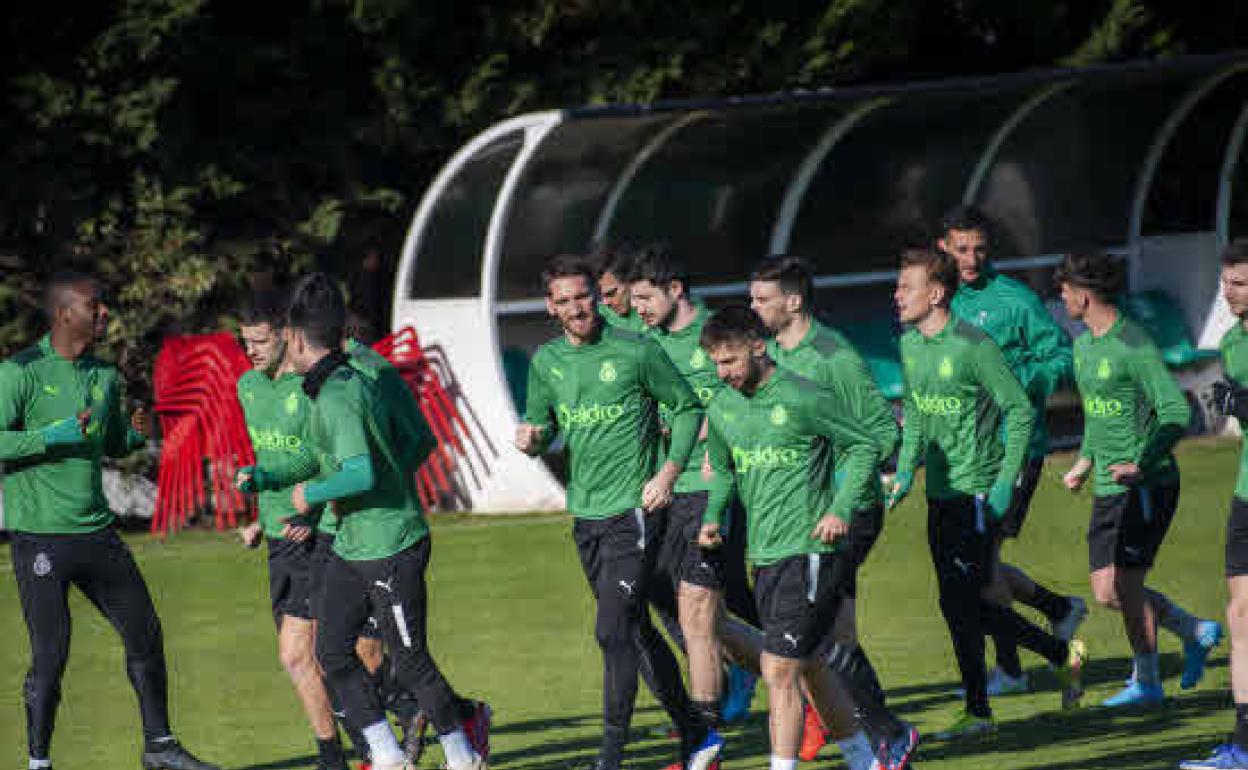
(185, 148)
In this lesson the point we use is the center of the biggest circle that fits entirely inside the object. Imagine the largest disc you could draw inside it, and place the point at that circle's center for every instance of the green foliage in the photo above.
(176, 146)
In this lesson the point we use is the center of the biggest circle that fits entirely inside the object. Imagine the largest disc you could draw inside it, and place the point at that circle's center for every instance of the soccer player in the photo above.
(1232, 400)
(615, 307)
(382, 549)
(60, 414)
(277, 410)
(782, 293)
(1133, 415)
(601, 386)
(773, 435)
(959, 396)
(1037, 351)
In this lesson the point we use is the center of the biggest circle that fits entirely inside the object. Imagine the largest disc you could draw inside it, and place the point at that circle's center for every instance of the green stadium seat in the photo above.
(877, 344)
(516, 370)
(1161, 316)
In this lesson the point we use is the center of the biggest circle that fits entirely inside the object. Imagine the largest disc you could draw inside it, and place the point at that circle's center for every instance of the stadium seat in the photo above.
(1158, 313)
(877, 344)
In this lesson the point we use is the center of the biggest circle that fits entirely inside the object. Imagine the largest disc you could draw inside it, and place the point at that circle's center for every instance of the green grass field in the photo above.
(512, 622)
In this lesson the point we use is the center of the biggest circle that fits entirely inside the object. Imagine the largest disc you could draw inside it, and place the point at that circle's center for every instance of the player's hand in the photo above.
(299, 499)
(657, 493)
(84, 420)
(708, 470)
(141, 421)
(903, 481)
(710, 537)
(529, 438)
(1077, 475)
(296, 529)
(251, 534)
(245, 480)
(830, 529)
(1125, 473)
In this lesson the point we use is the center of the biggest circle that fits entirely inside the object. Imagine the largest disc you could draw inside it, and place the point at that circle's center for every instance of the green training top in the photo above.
(1133, 410)
(59, 489)
(826, 357)
(698, 370)
(1235, 363)
(959, 395)
(603, 396)
(1035, 348)
(350, 418)
(631, 322)
(277, 412)
(775, 447)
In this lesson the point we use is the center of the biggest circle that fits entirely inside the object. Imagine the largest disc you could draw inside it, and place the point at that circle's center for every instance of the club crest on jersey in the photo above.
(607, 372)
(779, 415)
(946, 368)
(556, 372)
(1103, 371)
(42, 565)
(698, 359)
(292, 403)
(51, 390)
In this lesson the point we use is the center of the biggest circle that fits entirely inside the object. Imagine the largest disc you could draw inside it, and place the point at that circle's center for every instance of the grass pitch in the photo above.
(511, 621)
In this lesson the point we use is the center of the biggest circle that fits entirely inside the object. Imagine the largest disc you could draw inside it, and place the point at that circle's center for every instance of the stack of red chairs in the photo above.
(434, 479)
(195, 382)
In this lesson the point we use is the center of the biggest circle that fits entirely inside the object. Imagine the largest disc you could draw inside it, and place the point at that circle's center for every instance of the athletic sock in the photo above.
(152, 745)
(459, 753)
(707, 713)
(857, 751)
(382, 746)
(1240, 736)
(783, 764)
(39, 764)
(1053, 606)
(1147, 670)
(1174, 618)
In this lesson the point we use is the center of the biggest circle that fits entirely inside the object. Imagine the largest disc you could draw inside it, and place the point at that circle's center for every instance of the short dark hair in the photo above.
(263, 307)
(59, 284)
(794, 274)
(318, 310)
(732, 323)
(965, 217)
(1103, 275)
(1235, 253)
(656, 263)
(617, 262)
(568, 266)
(940, 267)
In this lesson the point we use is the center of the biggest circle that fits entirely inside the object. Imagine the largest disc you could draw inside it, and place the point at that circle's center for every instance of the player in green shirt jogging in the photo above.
(1231, 399)
(1037, 351)
(1133, 415)
(613, 287)
(600, 387)
(60, 415)
(277, 410)
(702, 580)
(959, 397)
(382, 548)
(782, 293)
(775, 437)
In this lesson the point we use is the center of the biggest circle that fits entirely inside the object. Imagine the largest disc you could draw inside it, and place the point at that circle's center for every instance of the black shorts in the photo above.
(864, 530)
(290, 578)
(1237, 539)
(322, 552)
(961, 536)
(1024, 490)
(678, 557)
(1127, 529)
(798, 601)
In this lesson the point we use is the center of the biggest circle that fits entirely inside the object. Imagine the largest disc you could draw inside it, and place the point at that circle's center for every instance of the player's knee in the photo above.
(299, 660)
(781, 673)
(698, 611)
(1105, 593)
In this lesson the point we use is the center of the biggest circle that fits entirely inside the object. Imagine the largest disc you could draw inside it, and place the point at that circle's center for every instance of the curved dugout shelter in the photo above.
(1145, 160)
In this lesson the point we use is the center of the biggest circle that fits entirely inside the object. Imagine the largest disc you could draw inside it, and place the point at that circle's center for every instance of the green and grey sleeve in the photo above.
(723, 481)
(1162, 391)
(833, 417)
(16, 444)
(1003, 387)
(1050, 358)
(539, 407)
